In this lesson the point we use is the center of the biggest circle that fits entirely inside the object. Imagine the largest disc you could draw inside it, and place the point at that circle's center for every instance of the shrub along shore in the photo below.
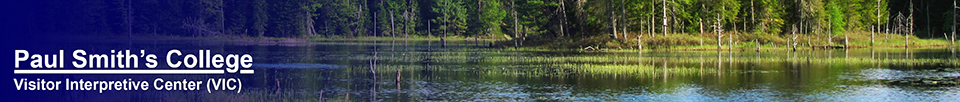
(731, 41)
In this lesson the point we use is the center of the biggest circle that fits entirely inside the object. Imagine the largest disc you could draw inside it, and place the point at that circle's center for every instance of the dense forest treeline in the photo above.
(478, 18)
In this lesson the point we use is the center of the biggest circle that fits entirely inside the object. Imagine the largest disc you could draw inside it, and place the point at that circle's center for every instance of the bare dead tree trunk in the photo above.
(376, 33)
(642, 25)
(652, 22)
(910, 25)
(613, 21)
(719, 30)
(701, 27)
(410, 25)
(794, 38)
(730, 39)
(429, 31)
(405, 23)
(664, 18)
(393, 30)
(899, 26)
(639, 42)
(393, 27)
(701, 32)
(446, 24)
(754, 20)
(563, 9)
(309, 22)
(310, 27)
(623, 15)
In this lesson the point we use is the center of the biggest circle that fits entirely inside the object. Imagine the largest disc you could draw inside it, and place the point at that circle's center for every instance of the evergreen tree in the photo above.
(451, 16)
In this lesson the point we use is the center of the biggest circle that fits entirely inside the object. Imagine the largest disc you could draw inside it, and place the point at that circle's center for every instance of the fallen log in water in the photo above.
(926, 81)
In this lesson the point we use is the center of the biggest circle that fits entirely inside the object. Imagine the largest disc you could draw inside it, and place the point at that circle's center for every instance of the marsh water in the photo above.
(473, 71)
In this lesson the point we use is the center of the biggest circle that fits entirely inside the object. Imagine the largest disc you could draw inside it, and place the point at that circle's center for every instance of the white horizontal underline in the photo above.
(126, 71)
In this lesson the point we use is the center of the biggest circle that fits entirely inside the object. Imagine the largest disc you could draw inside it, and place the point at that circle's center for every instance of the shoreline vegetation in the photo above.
(670, 42)
(526, 25)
